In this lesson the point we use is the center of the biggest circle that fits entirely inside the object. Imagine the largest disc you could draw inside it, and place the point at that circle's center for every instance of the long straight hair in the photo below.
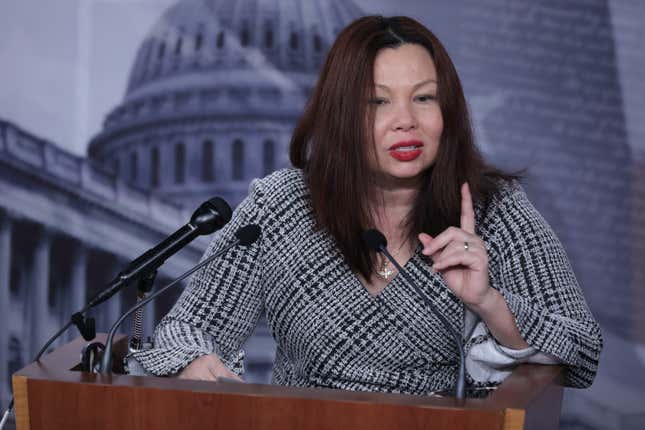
(331, 141)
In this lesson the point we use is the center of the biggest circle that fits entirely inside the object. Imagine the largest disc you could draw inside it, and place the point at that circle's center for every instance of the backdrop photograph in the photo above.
(118, 118)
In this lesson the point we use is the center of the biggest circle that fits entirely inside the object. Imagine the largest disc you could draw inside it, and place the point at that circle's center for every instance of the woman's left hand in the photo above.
(461, 257)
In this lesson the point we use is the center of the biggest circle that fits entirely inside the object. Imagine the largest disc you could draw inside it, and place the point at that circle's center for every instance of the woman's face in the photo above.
(407, 121)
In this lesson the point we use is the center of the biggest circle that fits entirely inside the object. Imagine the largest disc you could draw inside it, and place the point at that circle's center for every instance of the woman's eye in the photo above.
(378, 101)
(425, 98)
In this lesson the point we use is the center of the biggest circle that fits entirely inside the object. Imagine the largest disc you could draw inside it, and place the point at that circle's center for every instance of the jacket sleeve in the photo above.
(487, 361)
(530, 268)
(220, 307)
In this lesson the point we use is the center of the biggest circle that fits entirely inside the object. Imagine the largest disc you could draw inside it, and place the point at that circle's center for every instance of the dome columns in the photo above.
(39, 293)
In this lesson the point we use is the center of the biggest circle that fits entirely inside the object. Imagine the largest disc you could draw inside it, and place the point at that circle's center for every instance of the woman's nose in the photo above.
(404, 118)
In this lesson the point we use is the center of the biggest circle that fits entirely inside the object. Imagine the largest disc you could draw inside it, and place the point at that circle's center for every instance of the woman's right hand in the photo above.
(207, 368)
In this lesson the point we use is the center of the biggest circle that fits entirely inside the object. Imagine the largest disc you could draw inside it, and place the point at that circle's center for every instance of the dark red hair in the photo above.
(329, 141)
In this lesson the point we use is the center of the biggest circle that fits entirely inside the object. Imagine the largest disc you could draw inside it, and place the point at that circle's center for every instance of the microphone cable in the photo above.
(376, 240)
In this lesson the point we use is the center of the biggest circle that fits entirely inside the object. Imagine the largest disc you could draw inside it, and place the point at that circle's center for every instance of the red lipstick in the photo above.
(406, 151)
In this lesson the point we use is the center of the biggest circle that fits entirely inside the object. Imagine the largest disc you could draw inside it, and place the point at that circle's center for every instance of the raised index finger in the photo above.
(467, 212)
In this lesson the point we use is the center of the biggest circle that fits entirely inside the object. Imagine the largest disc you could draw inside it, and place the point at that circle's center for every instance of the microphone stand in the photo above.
(87, 330)
(144, 286)
(209, 217)
(106, 359)
(244, 236)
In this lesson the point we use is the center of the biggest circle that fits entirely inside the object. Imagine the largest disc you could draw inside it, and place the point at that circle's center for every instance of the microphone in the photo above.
(209, 217)
(377, 241)
(248, 234)
(244, 236)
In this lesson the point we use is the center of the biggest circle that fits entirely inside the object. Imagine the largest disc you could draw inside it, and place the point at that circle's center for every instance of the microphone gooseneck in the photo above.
(377, 241)
(244, 236)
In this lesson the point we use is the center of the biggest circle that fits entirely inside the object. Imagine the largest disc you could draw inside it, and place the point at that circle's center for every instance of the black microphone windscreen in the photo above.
(375, 239)
(248, 234)
(211, 215)
(222, 208)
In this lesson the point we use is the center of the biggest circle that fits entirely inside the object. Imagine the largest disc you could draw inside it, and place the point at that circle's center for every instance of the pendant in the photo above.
(385, 272)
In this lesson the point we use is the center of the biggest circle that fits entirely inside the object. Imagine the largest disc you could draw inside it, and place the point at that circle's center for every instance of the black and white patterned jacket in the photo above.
(331, 332)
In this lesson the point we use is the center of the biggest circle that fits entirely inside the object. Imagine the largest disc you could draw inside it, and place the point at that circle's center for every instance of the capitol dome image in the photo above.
(214, 93)
(212, 98)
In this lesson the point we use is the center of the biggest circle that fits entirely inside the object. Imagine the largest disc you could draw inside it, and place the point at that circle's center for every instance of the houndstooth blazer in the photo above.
(330, 332)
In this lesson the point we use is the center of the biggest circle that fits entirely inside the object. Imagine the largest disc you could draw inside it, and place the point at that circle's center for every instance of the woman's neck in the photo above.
(391, 208)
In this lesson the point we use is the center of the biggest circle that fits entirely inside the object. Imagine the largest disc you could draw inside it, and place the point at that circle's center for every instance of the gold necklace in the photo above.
(385, 272)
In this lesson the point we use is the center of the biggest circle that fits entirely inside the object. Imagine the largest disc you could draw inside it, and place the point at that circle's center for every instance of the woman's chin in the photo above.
(405, 178)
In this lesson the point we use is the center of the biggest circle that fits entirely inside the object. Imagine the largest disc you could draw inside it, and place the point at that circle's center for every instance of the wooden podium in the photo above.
(49, 395)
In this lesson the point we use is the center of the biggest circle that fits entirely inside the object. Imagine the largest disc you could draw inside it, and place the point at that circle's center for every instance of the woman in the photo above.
(384, 142)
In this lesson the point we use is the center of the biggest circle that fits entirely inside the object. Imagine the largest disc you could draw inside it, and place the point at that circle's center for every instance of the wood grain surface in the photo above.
(50, 395)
